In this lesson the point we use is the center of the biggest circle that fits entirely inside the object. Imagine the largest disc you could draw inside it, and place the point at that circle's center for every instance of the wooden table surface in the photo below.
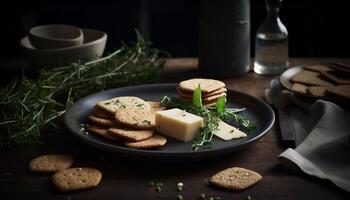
(125, 178)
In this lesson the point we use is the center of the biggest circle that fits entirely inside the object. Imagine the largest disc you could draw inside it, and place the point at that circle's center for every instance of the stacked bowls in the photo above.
(58, 45)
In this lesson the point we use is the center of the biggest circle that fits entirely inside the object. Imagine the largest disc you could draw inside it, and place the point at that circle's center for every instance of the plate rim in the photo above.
(121, 149)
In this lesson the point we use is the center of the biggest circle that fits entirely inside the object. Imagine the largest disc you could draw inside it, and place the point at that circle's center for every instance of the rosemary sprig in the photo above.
(27, 105)
(212, 116)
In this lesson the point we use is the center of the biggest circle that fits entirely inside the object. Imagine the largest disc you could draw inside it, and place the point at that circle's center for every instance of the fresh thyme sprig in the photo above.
(27, 105)
(212, 116)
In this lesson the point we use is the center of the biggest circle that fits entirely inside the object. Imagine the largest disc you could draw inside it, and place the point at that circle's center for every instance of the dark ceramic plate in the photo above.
(256, 110)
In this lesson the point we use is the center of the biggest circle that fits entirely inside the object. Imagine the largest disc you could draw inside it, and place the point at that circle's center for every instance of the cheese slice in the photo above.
(228, 132)
(178, 124)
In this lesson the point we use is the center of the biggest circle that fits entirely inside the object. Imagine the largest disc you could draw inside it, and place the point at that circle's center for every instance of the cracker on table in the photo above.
(299, 88)
(155, 141)
(135, 118)
(102, 121)
(207, 85)
(50, 163)
(111, 105)
(235, 178)
(102, 132)
(310, 78)
(75, 179)
(131, 134)
(318, 91)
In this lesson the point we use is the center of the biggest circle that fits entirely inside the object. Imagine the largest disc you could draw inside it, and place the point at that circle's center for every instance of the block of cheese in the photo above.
(228, 132)
(178, 124)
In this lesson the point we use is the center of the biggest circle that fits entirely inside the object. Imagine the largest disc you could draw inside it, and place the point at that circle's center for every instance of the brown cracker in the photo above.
(98, 112)
(131, 134)
(318, 91)
(155, 141)
(156, 106)
(111, 105)
(337, 77)
(300, 88)
(342, 91)
(343, 68)
(235, 178)
(310, 78)
(207, 85)
(74, 179)
(189, 94)
(102, 132)
(102, 121)
(317, 68)
(205, 99)
(50, 163)
(207, 103)
(135, 118)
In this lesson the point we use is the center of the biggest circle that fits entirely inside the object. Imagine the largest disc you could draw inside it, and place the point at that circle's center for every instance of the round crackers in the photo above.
(207, 85)
(50, 163)
(131, 134)
(190, 94)
(98, 112)
(135, 118)
(74, 179)
(102, 121)
(155, 141)
(111, 105)
(235, 178)
(102, 132)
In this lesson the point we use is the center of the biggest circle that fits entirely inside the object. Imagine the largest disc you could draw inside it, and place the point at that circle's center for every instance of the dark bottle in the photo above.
(224, 38)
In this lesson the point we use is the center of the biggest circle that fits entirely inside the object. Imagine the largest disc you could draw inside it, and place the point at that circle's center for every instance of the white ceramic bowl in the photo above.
(93, 47)
(55, 36)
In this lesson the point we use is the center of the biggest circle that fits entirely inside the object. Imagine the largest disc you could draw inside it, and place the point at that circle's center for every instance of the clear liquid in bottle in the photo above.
(271, 53)
(271, 42)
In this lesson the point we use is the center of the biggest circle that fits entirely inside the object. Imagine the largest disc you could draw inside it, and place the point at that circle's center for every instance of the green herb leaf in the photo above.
(197, 97)
(28, 105)
(220, 104)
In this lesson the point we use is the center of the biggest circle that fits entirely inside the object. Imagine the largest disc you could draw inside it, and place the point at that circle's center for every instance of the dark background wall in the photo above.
(316, 28)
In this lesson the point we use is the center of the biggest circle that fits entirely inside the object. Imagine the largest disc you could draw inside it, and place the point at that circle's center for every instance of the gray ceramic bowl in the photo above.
(55, 36)
(93, 47)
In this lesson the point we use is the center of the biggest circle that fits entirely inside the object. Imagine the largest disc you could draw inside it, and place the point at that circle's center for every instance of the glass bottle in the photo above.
(271, 42)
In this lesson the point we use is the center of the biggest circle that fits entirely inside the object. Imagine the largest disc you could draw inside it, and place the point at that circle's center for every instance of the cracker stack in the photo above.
(211, 90)
(332, 80)
(129, 120)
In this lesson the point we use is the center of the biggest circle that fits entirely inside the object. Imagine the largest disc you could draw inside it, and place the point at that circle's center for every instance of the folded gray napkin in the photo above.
(323, 146)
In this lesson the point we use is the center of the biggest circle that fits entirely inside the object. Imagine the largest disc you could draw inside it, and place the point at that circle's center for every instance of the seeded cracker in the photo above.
(207, 85)
(102, 121)
(74, 179)
(189, 94)
(300, 88)
(102, 132)
(135, 118)
(111, 105)
(318, 91)
(155, 141)
(50, 163)
(235, 179)
(131, 134)
(310, 78)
